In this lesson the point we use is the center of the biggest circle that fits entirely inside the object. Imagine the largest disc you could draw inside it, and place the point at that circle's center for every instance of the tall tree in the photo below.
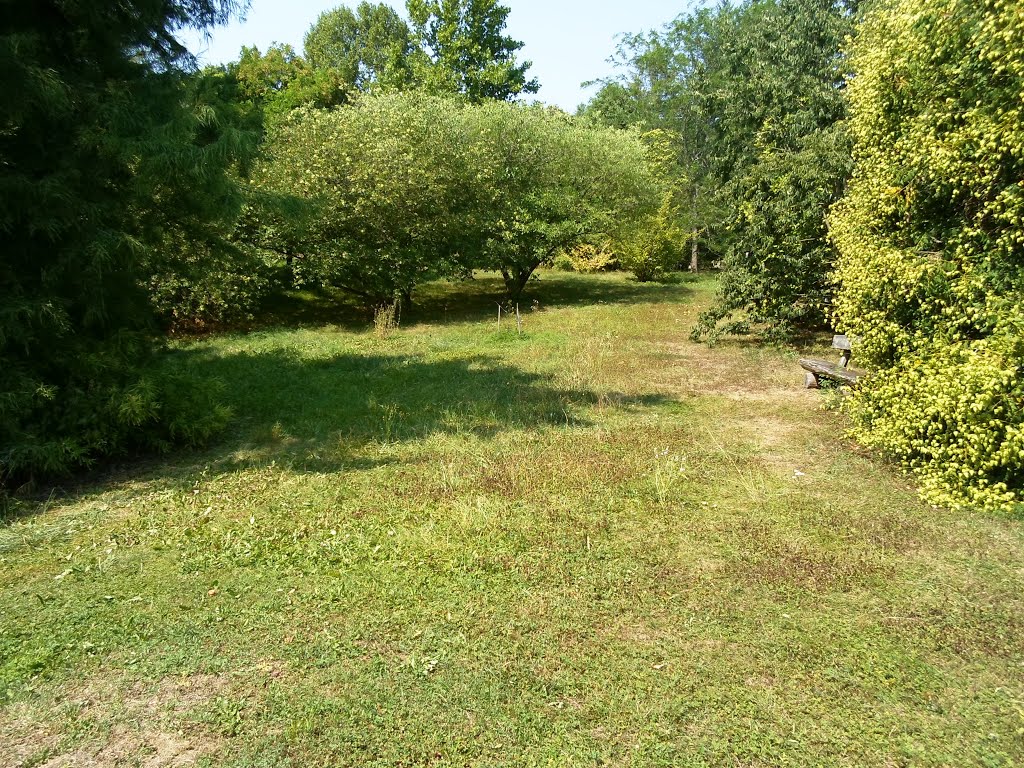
(369, 47)
(657, 89)
(280, 80)
(103, 151)
(774, 84)
(466, 51)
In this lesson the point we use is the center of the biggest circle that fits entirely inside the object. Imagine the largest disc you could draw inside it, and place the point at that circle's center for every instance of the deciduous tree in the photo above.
(466, 50)
(369, 47)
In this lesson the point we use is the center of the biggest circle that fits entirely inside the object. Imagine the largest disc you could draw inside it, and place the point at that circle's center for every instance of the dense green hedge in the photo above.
(930, 233)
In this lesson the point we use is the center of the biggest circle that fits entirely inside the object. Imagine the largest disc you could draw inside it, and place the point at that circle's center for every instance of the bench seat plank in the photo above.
(830, 370)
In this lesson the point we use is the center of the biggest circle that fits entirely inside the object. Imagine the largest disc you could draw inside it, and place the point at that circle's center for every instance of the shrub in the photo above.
(401, 188)
(955, 418)
(589, 258)
(655, 246)
(563, 263)
(149, 409)
(381, 192)
(195, 286)
(931, 238)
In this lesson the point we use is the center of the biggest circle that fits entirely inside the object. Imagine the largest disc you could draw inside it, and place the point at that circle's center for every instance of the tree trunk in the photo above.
(693, 252)
(515, 281)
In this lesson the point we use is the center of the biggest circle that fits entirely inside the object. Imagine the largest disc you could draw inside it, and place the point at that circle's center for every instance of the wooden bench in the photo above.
(837, 372)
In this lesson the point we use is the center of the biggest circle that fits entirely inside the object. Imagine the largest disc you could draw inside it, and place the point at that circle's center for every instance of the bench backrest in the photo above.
(841, 342)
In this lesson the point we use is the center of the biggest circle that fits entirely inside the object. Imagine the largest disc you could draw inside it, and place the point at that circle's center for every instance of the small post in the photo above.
(499, 318)
(519, 321)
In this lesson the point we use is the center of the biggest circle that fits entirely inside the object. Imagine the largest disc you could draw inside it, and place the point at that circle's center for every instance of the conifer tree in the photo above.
(105, 155)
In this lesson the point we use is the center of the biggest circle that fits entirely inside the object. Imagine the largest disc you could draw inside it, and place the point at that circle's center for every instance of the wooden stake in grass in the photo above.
(499, 318)
(519, 321)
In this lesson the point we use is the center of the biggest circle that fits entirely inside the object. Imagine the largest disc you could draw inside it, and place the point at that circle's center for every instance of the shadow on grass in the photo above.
(465, 300)
(322, 414)
(388, 398)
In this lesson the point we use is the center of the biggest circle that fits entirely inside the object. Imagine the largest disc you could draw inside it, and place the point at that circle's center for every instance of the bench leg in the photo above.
(811, 381)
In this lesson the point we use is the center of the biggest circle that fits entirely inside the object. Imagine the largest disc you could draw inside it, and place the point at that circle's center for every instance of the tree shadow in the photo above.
(361, 397)
(468, 300)
(477, 298)
(322, 414)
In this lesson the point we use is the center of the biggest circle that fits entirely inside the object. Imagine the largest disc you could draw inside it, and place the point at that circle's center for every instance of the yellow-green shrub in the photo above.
(589, 258)
(655, 245)
(955, 417)
(930, 237)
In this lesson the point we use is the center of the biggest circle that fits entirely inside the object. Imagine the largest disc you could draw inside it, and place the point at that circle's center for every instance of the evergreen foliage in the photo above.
(930, 277)
(104, 156)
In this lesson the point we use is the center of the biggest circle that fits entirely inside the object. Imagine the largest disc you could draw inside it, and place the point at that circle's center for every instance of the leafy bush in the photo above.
(931, 241)
(564, 263)
(401, 188)
(655, 246)
(955, 417)
(148, 408)
(194, 286)
(388, 194)
(548, 182)
(588, 258)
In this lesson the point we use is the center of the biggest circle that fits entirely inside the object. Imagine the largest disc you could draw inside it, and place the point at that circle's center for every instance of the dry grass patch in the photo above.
(104, 723)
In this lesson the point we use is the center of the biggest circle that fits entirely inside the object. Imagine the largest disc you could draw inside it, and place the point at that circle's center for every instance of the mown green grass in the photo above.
(592, 544)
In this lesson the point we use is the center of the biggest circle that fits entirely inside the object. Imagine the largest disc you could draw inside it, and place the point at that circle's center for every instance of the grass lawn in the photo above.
(593, 544)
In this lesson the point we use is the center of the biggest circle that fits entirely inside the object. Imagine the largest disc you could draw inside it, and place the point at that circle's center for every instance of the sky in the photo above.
(568, 41)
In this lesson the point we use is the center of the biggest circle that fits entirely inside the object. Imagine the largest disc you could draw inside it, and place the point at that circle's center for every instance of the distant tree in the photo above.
(386, 191)
(550, 182)
(657, 90)
(464, 50)
(400, 188)
(368, 47)
(773, 77)
(103, 152)
(280, 80)
(750, 97)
